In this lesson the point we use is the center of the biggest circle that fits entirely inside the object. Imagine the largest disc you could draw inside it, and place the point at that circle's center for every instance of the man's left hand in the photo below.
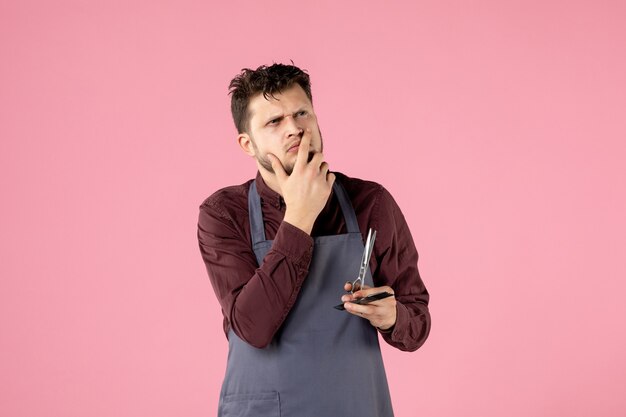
(380, 313)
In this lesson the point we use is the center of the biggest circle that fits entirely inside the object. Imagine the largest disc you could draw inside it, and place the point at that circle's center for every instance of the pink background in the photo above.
(499, 126)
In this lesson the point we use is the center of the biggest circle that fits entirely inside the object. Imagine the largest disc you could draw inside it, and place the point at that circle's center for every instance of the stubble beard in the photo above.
(264, 161)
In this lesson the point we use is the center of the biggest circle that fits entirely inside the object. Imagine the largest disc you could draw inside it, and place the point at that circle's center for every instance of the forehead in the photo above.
(286, 101)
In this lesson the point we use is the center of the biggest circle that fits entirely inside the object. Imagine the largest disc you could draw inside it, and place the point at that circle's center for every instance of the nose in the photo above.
(292, 128)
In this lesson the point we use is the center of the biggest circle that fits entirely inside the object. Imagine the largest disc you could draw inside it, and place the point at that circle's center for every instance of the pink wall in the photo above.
(498, 126)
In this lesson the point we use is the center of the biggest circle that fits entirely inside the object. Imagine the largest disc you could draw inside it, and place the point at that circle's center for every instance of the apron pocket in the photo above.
(262, 404)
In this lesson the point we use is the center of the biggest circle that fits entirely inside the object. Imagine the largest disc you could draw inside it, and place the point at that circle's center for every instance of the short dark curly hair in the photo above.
(266, 80)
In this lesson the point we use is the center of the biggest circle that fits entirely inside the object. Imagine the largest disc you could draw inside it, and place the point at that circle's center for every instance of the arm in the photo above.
(403, 320)
(255, 300)
(397, 267)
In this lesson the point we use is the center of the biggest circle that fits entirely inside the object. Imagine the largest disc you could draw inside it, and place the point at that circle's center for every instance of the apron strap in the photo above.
(346, 207)
(257, 227)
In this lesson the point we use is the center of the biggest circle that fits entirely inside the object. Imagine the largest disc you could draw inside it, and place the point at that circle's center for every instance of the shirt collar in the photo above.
(268, 195)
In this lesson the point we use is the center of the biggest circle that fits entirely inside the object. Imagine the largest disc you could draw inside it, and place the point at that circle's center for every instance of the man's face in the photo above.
(277, 124)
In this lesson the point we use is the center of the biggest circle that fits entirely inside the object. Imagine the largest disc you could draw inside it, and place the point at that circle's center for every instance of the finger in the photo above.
(359, 310)
(347, 286)
(367, 290)
(277, 166)
(362, 292)
(347, 297)
(317, 160)
(330, 178)
(303, 149)
(324, 168)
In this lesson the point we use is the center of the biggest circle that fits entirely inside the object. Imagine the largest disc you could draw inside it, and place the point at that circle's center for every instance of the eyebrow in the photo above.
(274, 117)
(282, 116)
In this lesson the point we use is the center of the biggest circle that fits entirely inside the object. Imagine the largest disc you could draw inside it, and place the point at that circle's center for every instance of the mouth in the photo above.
(294, 148)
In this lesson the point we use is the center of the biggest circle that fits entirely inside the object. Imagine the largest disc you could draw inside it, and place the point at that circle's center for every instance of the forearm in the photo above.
(412, 325)
(259, 308)
(397, 267)
(254, 299)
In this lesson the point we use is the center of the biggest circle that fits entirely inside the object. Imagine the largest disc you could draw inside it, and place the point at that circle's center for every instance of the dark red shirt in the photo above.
(256, 300)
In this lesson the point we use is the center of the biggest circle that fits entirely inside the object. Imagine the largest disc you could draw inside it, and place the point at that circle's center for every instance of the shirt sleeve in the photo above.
(396, 258)
(255, 300)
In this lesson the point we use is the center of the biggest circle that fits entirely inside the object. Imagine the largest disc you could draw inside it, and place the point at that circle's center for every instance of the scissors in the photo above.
(359, 282)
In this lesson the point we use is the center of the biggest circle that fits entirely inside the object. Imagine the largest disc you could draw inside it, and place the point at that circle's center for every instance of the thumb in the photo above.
(277, 166)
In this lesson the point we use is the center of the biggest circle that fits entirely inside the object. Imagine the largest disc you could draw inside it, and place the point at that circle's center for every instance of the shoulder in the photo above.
(364, 192)
(227, 201)
(372, 202)
(356, 187)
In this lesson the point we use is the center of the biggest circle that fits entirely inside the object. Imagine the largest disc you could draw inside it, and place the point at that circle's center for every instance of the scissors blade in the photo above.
(367, 253)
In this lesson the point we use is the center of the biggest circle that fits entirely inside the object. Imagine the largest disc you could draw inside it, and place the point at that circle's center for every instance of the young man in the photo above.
(278, 250)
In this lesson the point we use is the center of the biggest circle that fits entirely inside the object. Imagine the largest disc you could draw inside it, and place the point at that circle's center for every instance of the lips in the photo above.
(294, 147)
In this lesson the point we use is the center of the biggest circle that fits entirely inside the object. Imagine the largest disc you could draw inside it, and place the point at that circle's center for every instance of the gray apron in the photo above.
(322, 362)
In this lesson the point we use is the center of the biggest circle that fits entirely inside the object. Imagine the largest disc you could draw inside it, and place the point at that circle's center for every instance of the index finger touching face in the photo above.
(303, 149)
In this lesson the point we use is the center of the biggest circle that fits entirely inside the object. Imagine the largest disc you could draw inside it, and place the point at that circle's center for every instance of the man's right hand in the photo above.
(307, 189)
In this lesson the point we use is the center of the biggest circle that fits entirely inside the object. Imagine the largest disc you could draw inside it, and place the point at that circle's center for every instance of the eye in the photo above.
(301, 113)
(273, 122)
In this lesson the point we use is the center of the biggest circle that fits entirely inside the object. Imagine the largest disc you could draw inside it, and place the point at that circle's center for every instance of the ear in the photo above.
(245, 142)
